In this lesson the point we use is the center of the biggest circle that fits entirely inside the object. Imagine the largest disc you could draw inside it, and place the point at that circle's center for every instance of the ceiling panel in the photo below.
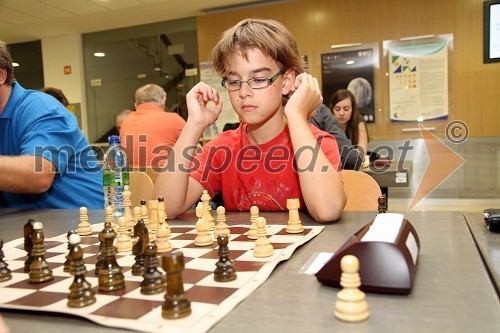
(36, 8)
(116, 4)
(77, 7)
(15, 17)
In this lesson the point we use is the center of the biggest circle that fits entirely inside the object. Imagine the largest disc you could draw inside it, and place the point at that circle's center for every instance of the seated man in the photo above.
(45, 161)
(148, 134)
(349, 155)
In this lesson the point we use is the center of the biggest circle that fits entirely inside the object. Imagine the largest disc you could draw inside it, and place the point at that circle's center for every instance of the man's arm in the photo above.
(26, 174)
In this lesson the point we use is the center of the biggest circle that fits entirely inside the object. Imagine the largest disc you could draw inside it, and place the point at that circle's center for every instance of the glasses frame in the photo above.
(249, 82)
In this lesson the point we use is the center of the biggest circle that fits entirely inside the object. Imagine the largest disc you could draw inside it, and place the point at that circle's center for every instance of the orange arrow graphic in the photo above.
(442, 163)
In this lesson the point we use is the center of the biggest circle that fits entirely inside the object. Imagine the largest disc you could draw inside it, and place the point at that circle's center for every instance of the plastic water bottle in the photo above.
(115, 175)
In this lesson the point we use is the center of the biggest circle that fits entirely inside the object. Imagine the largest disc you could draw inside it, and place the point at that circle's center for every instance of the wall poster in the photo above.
(210, 77)
(418, 78)
(351, 69)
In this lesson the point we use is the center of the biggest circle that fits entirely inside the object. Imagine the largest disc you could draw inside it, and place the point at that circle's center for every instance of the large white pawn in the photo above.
(84, 226)
(294, 225)
(221, 227)
(162, 216)
(252, 230)
(202, 229)
(145, 219)
(123, 241)
(137, 216)
(263, 248)
(351, 305)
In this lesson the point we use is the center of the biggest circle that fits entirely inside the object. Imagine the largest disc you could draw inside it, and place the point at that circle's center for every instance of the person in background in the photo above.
(148, 134)
(345, 110)
(120, 118)
(57, 94)
(275, 154)
(45, 161)
(351, 157)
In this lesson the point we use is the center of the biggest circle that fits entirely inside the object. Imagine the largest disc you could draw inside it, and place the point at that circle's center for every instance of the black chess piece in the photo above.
(5, 273)
(154, 282)
(28, 243)
(225, 270)
(139, 247)
(39, 268)
(382, 204)
(110, 273)
(176, 304)
(68, 259)
(81, 293)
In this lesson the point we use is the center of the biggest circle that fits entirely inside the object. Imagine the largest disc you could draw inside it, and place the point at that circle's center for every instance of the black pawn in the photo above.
(5, 273)
(176, 304)
(81, 293)
(68, 259)
(139, 248)
(225, 270)
(154, 282)
(110, 274)
(382, 204)
(39, 268)
(28, 243)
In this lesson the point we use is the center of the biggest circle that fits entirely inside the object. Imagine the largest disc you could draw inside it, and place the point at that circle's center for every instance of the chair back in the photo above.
(141, 187)
(362, 191)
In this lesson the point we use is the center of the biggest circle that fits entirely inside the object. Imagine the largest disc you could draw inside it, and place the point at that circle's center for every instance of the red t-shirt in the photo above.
(255, 175)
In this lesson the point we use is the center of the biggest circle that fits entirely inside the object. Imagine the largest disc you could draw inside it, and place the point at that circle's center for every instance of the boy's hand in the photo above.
(197, 99)
(306, 97)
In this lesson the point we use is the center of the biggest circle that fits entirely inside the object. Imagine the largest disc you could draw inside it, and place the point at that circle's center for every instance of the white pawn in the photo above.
(263, 248)
(84, 226)
(203, 238)
(123, 241)
(205, 198)
(294, 225)
(252, 230)
(221, 227)
(110, 218)
(161, 241)
(351, 305)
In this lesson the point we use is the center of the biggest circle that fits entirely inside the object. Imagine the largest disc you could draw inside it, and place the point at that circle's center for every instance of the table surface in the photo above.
(452, 292)
(488, 243)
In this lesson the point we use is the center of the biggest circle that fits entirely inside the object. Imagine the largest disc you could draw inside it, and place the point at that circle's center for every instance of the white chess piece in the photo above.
(205, 198)
(84, 227)
(123, 241)
(203, 238)
(263, 248)
(221, 227)
(252, 230)
(294, 225)
(351, 305)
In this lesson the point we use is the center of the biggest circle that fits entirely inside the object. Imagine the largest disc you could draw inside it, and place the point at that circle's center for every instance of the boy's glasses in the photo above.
(256, 83)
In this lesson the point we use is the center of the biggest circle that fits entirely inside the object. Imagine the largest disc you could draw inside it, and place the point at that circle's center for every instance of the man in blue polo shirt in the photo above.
(45, 161)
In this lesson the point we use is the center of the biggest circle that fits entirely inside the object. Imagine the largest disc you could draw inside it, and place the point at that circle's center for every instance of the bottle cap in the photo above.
(114, 140)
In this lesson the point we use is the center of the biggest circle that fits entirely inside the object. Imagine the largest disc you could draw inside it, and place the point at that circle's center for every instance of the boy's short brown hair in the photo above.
(270, 37)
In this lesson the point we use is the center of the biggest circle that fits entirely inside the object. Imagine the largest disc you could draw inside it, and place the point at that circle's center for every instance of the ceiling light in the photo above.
(349, 62)
(15, 64)
(99, 54)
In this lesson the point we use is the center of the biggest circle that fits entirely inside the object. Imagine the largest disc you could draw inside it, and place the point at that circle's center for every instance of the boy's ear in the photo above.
(3, 75)
(288, 80)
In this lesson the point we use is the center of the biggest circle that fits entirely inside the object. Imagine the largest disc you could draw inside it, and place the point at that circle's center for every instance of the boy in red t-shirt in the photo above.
(274, 154)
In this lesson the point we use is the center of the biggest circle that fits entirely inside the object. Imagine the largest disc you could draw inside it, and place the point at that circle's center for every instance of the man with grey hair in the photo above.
(45, 161)
(148, 134)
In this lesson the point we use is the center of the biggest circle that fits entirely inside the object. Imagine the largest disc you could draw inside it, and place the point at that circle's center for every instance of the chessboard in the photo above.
(128, 308)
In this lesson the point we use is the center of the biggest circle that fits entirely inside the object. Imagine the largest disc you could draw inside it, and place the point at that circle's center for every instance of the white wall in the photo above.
(61, 51)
